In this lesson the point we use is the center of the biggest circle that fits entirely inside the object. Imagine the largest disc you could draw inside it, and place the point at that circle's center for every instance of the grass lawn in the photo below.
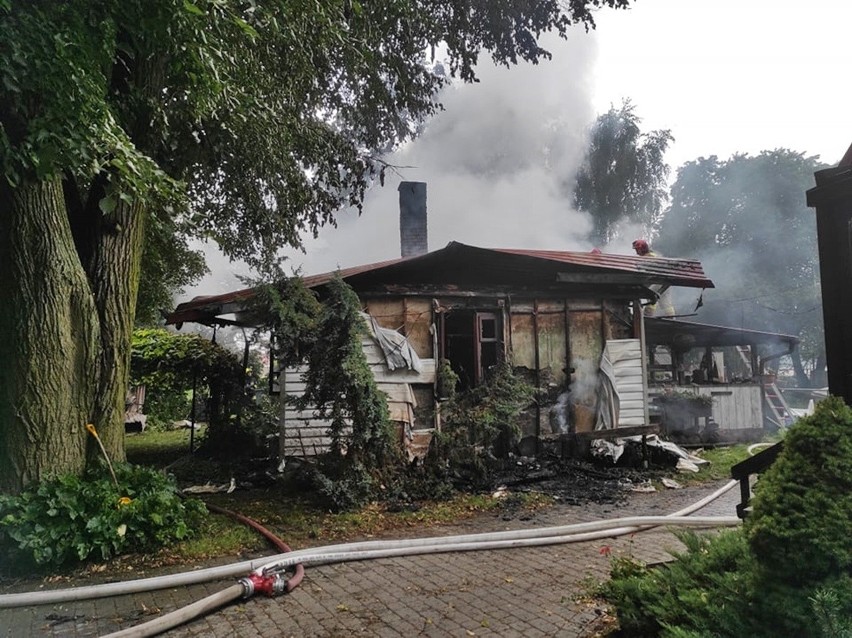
(721, 460)
(158, 448)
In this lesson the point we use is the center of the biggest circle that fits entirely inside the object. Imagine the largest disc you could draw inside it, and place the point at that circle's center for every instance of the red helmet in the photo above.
(641, 247)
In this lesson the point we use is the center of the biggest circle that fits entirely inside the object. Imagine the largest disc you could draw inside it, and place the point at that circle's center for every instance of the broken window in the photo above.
(472, 343)
(661, 364)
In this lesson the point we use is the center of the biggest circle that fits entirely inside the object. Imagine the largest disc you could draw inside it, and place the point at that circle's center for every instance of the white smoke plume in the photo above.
(495, 161)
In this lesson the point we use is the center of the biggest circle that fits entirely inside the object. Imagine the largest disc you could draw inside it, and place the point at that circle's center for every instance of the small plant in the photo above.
(343, 487)
(447, 380)
(71, 518)
(480, 427)
(170, 364)
(165, 405)
(786, 573)
(803, 503)
(705, 591)
(674, 396)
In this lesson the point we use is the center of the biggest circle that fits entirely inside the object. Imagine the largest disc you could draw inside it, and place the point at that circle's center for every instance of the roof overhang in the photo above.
(671, 332)
(461, 267)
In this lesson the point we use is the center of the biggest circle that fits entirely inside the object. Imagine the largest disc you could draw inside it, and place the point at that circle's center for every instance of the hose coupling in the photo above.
(269, 585)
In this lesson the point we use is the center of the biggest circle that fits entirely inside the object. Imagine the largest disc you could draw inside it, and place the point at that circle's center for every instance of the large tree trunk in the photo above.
(114, 276)
(819, 376)
(802, 379)
(49, 338)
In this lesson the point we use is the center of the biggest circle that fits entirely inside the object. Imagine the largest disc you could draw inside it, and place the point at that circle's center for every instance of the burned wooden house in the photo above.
(557, 316)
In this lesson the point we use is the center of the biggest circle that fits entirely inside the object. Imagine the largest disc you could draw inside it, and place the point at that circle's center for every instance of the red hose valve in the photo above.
(270, 585)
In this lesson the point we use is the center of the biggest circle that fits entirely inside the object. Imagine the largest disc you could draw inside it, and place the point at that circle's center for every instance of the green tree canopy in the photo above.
(623, 176)
(242, 121)
(168, 265)
(745, 218)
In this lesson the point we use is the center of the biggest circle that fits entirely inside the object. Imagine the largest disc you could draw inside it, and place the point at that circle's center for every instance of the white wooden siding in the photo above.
(305, 434)
(625, 355)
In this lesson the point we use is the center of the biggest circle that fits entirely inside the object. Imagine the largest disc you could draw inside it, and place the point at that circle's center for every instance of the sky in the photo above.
(724, 76)
(730, 76)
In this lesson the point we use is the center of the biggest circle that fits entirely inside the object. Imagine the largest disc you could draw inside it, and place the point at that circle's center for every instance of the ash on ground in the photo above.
(575, 482)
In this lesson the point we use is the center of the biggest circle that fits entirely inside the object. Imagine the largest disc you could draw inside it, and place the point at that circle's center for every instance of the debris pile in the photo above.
(574, 482)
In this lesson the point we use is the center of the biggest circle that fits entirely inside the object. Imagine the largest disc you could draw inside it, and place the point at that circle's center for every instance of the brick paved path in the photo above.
(526, 592)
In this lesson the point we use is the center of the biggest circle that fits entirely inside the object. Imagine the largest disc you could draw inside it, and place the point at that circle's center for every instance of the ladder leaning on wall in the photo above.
(776, 409)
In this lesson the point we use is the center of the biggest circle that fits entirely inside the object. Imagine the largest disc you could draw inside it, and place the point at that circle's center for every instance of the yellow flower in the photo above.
(90, 428)
(124, 500)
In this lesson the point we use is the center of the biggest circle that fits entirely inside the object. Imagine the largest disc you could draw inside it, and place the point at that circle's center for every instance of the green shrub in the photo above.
(71, 518)
(364, 453)
(479, 427)
(168, 364)
(787, 573)
(802, 514)
(341, 385)
(164, 406)
(343, 486)
(828, 604)
(447, 380)
(705, 591)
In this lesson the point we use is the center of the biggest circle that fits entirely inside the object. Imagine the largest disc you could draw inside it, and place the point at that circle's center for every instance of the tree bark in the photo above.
(114, 277)
(49, 338)
(802, 379)
(819, 377)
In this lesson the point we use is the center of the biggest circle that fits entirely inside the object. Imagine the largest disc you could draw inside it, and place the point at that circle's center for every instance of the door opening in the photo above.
(472, 344)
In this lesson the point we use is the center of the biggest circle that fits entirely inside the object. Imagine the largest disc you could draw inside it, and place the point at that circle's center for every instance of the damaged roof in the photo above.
(459, 265)
(661, 270)
(671, 332)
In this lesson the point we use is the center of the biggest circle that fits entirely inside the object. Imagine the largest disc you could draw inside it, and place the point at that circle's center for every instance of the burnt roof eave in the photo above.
(211, 315)
(672, 272)
(661, 331)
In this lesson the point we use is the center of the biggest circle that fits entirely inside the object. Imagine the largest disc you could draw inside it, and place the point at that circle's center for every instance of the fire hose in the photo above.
(265, 579)
(299, 574)
(236, 569)
(266, 573)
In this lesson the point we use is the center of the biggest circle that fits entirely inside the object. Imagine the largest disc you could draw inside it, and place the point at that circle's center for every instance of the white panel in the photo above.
(626, 358)
(372, 352)
(303, 432)
(294, 389)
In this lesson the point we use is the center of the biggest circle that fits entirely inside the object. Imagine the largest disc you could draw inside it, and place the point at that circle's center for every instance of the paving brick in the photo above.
(519, 592)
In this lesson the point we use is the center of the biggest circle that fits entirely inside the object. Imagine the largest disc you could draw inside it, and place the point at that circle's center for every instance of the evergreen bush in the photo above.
(167, 363)
(788, 572)
(800, 527)
(364, 454)
(704, 592)
(480, 427)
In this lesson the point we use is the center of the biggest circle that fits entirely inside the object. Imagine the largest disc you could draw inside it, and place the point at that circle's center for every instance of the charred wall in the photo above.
(554, 343)
(411, 316)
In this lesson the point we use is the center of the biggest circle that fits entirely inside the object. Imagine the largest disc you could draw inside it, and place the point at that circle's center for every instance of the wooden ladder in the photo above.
(774, 402)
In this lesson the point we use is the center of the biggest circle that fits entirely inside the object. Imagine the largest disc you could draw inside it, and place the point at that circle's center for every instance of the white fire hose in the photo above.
(267, 573)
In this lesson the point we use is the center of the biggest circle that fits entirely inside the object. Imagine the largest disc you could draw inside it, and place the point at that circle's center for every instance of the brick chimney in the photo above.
(412, 219)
